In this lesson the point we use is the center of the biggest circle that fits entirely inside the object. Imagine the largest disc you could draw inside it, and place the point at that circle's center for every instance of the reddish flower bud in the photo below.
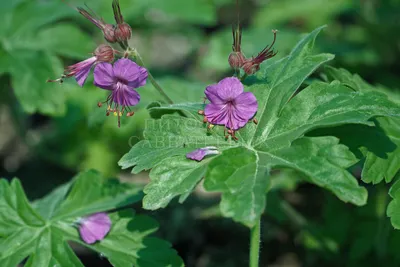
(109, 33)
(250, 67)
(104, 53)
(236, 60)
(123, 32)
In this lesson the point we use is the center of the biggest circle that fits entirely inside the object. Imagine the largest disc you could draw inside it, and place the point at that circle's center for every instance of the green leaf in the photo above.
(321, 105)
(240, 173)
(173, 177)
(98, 194)
(307, 155)
(393, 209)
(15, 209)
(53, 250)
(29, 74)
(24, 233)
(243, 182)
(377, 167)
(51, 202)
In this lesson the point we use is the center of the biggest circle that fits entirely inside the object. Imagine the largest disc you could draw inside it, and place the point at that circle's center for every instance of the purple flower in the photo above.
(121, 79)
(200, 153)
(94, 227)
(81, 70)
(229, 105)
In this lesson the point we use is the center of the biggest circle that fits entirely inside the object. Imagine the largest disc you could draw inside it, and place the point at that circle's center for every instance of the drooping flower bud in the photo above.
(104, 53)
(109, 33)
(123, 32)
(107, 29)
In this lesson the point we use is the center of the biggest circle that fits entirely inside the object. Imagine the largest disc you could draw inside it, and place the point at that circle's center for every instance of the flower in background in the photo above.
(229, 105)
(81, 70)
(200, 153)
(95, 227)
(121, 79)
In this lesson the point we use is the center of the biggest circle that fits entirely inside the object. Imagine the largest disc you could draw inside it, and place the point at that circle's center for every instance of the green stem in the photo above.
(151, 78)
(255, 244)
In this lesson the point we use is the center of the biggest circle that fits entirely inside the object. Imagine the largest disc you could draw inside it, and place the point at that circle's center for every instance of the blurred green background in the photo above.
(49, 132)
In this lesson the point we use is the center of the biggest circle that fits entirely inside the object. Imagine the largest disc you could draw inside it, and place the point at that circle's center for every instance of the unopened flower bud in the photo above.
(250, 67)
(107, 29)
(236, 60)
(104, 53)
(123, 32)
(109, 33)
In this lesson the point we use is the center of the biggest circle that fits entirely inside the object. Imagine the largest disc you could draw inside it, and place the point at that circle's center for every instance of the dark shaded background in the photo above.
(49, 132)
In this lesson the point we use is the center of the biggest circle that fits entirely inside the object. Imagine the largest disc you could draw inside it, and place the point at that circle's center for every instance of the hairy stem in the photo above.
(255, 244)
(153, 81)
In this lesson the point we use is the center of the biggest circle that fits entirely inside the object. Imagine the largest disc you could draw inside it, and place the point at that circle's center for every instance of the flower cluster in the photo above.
(122, 78)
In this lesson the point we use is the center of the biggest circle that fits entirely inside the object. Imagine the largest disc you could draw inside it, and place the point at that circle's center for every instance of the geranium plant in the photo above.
(265, 117)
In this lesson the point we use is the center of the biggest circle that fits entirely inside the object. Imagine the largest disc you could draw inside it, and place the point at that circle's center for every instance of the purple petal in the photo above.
(217, 113)
(245, 106)
(94, 227)
(212, 94)
(104, 76)
(124, 95)
(229, 88)
(84, 70)
(197, 154)
(200, 153)
(235, 123)
(127, 70)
